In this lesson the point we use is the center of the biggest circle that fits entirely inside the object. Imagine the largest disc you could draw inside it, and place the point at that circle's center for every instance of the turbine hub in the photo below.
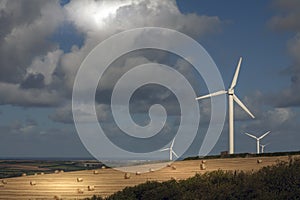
(230, 91)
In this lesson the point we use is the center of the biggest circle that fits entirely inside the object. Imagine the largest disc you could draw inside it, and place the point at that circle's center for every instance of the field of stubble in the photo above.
(108, 181)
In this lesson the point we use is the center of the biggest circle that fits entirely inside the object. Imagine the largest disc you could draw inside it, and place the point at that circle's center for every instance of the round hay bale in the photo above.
(80, 191)
(174, 167)
(291, 159)
(96, 172)
(151, 170)
(56, 171)
(259, 161)
(203, 161)
(42, 173)
(91, 188)
(79, 179)
(4, 181)
(57, 197)
(202, 166)
(32, 183)
(137, 173)
(61, 171)
(35, 174)
(103, 167)
(127, 175)
(24, 174)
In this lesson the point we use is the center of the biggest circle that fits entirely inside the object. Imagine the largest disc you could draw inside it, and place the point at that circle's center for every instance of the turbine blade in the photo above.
(264, 145)
(172, 143)
(238, 101)
(167, 149)
(251, 136)
(175, 154)
(212, 94)
(261, 137)
(236, 74)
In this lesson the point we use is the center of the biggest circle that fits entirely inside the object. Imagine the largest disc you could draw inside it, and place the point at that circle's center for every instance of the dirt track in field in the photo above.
(108, 181)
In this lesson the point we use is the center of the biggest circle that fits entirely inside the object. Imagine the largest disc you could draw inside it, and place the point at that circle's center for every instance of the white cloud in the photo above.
(27, 40)
(125, 15)
(45, 65)
(12, 94)
(274, 119)
(27, 48)
(64, 114)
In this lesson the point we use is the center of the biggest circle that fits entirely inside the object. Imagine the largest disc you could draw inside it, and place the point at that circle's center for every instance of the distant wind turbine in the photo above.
(231, 97)
(170, 149)
(258, 139)
(263, 147)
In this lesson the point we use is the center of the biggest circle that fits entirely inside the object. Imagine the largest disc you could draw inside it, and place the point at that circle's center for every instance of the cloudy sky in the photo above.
(43, 43)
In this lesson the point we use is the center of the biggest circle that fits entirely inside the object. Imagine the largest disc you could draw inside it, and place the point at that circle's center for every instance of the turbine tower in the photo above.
(170, 149)
(258, 139)
(263, 147)
(231, 98)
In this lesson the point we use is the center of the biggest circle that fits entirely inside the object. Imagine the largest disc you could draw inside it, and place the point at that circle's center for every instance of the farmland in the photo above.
(108, 181)
(12, 168)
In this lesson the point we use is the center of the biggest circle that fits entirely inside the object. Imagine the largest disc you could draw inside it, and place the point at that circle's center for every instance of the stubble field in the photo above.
(108, 181)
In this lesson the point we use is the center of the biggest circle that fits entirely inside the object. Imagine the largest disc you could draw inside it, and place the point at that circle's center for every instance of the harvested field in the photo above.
(108, 181)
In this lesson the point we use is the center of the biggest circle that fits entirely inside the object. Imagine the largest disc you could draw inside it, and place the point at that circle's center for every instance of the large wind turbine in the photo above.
(170, 149)
(258, 139)
(263, 147)
(231, 97)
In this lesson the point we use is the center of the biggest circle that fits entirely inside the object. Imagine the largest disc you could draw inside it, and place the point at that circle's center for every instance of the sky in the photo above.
(43, 43)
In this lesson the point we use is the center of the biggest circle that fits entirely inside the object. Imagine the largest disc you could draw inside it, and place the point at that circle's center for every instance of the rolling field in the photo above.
(108, 181)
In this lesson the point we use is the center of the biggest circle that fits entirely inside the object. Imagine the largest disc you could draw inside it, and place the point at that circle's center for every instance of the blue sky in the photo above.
(43, 44)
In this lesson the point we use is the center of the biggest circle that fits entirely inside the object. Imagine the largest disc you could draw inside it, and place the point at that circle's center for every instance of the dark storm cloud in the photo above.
(145, 96)
(33, 81)
(288, 19)
(11, 94)
(14, 13)
(25, 26)
(25, 29)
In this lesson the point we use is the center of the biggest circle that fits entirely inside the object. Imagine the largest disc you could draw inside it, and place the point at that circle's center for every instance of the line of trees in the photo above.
(245, 155)
(281, 181)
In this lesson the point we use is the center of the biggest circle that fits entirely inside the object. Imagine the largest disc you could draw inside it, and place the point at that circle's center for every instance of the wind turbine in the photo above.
(263, 147)
(258, 139)
(231, 97)
(170, 149)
